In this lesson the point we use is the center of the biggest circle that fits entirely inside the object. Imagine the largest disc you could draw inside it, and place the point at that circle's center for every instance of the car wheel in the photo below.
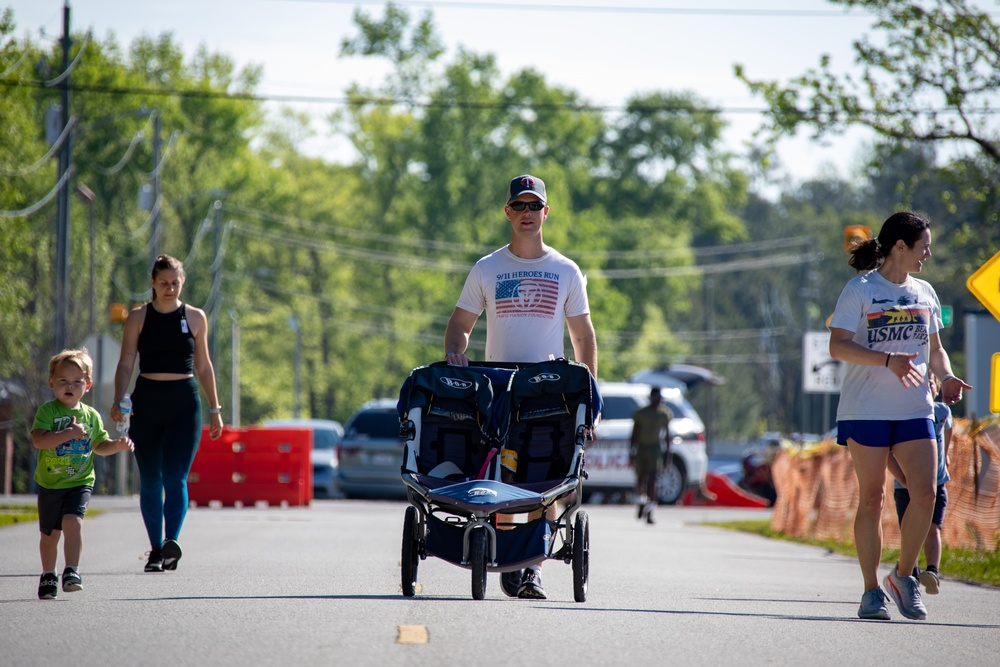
(671, 483)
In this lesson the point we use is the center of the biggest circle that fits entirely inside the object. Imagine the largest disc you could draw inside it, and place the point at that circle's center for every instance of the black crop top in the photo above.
(166, 344)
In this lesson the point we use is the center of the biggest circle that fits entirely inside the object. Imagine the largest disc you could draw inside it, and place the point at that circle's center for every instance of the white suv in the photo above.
(606, 457)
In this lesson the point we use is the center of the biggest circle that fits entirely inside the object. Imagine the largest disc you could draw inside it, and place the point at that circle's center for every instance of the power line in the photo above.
(359, 101)
(20, 171)
(604, 9)
(137, 138)
(448, 266)
(43, 201)
(723, 12)
(72, 66)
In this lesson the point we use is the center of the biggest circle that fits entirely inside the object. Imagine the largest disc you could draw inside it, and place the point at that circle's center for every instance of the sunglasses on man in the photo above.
(532, 205)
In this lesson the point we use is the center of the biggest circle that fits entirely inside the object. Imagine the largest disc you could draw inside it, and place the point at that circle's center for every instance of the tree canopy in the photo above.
(339, 278)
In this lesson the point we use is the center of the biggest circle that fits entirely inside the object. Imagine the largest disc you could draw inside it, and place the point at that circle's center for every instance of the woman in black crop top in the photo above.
(171, 341)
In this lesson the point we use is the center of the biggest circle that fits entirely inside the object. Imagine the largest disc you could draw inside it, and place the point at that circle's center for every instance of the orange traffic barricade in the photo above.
(253, 465)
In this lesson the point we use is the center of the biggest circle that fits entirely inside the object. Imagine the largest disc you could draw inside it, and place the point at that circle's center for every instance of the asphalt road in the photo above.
(320, 586)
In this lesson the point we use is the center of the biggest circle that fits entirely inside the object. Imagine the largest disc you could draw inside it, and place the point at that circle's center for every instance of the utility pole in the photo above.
(235, 371)
(709, 299)
(154, 235)
(213, 316)
(293, 324)
(63, 199)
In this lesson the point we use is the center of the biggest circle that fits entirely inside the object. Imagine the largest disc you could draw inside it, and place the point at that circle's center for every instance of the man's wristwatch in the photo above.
(217, 410)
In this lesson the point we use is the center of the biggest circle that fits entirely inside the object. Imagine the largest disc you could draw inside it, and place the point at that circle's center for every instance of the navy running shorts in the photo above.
(884, 432)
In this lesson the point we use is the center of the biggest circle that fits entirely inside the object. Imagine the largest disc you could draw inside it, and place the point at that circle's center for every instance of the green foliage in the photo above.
(932, 77)
(684, 262)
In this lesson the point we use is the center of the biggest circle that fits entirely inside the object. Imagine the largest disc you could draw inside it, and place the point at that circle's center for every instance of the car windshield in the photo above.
(623, 407)
(324, 439)
(680, 408)
(374, 424)
(619, 407)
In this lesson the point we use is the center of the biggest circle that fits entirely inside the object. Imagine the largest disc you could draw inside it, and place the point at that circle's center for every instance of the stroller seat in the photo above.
(447, 416)
(550, 408)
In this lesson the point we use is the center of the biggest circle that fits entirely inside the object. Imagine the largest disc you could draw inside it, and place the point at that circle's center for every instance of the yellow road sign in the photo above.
(985, 285)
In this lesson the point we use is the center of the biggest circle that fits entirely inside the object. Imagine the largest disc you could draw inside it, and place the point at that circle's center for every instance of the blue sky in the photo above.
(604, 50)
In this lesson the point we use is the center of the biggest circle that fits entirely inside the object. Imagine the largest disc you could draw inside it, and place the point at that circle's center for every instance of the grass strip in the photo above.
(11, 513)
(976, 567)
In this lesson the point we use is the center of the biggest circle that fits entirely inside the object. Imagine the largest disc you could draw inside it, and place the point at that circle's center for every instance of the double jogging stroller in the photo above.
(488, 450)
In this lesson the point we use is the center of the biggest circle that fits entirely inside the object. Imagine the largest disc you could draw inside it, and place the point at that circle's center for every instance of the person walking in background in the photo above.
(929, 576)
(67, 434)
(885, 326)
(650, 428)
(528, 290)
(171, 340)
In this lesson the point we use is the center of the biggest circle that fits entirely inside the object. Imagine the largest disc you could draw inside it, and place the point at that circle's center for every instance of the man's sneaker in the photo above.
(873, 605)
(640, 511)
(930, 581)
(72, 581)
(171, 554)
(510, 582)
(531, 584)
(649, 517)
(48, 586)
(905, 592)
(155, 561)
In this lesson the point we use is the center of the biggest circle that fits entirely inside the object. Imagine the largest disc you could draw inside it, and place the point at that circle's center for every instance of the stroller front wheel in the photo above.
(581, 556)
(410, 556)
(478, 542)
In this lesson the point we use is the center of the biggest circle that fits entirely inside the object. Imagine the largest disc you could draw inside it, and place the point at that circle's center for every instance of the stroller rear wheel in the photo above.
(410, 557)
(581, 556)
(478, 542)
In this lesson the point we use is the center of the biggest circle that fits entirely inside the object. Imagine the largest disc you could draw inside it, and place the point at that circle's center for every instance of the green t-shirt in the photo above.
(70, 464)
(649, 424)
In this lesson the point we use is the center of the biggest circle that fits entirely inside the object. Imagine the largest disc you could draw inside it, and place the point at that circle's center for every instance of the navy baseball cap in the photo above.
(523, 184)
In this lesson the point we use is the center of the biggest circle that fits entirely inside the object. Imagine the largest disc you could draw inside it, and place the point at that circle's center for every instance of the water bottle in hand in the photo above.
(125, 407)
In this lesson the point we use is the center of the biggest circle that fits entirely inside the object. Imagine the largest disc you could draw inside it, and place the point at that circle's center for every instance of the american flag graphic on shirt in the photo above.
(527, 297)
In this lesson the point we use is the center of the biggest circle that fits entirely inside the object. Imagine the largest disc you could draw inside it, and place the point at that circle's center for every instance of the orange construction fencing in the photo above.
(818, 492)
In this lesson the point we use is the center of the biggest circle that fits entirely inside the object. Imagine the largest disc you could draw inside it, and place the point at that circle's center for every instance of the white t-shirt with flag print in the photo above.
(526, 301)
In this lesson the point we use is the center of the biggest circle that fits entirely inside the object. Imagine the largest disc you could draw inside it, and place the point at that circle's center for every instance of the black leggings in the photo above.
(166, 429)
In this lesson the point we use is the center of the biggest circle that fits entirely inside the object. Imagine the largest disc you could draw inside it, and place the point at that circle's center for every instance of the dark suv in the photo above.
(371, 452)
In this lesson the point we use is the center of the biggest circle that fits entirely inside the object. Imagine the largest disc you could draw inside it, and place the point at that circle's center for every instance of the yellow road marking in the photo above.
(411, 634)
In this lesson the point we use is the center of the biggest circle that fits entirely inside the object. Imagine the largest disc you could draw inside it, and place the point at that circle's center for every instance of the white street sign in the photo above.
(821, 373)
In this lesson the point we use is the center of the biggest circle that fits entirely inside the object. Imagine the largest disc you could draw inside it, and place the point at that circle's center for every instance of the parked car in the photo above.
(326, 436)
(371, 452)
(607, 456)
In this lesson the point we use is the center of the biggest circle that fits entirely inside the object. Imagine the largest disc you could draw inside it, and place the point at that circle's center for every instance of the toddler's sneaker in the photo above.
(931, 582)
(905, 592)
(48, 586)
(72, 582)
(873, 605)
